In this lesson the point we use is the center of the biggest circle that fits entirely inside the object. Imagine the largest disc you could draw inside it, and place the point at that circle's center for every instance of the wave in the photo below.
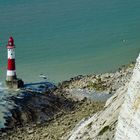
(5, 104)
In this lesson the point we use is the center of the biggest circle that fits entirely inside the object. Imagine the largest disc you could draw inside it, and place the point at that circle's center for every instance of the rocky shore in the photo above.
(50, 116)
(106, 83)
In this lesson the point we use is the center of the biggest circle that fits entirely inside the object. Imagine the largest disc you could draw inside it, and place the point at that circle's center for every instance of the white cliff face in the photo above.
(100, 126)
(128, 127)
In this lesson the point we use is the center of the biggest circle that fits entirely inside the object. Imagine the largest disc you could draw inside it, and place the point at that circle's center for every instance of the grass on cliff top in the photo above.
(60, 126)
(98, 85)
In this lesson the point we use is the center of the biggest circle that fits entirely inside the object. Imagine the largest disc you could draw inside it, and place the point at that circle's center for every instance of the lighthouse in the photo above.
(11, 78)
(11, 69)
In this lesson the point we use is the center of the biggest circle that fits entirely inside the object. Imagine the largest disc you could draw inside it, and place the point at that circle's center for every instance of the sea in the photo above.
(65, 38)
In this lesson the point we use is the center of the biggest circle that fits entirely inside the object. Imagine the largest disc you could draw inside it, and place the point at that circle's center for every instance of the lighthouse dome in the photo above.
(11, 41)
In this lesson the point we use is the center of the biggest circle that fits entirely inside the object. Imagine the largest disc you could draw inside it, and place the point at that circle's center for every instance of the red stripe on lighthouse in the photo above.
(11, 64)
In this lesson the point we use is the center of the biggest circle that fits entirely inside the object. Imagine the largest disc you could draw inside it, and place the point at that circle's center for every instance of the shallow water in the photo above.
(92, 95)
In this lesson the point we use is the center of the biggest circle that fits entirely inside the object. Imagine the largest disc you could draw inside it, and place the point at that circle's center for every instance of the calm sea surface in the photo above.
(64, 38)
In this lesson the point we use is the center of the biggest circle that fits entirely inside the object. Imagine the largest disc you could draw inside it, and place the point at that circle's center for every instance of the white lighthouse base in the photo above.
(15, 83)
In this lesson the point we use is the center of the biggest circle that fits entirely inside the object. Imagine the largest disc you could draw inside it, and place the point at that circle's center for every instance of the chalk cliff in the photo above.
(128, 127)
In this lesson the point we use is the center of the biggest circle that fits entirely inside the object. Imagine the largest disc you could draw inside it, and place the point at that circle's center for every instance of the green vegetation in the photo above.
(103, 130)
(97, 85)
(68, 121)
(89, 125)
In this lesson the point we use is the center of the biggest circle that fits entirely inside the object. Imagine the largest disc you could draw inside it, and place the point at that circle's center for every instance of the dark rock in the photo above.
(37, 108)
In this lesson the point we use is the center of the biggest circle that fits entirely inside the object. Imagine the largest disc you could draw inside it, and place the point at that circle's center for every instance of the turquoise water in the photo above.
(69, 37)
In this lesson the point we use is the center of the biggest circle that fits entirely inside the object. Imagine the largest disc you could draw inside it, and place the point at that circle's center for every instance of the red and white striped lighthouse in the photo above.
(11, 69)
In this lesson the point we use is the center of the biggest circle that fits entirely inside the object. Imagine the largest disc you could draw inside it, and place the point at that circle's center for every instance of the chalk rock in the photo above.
(128, 127)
